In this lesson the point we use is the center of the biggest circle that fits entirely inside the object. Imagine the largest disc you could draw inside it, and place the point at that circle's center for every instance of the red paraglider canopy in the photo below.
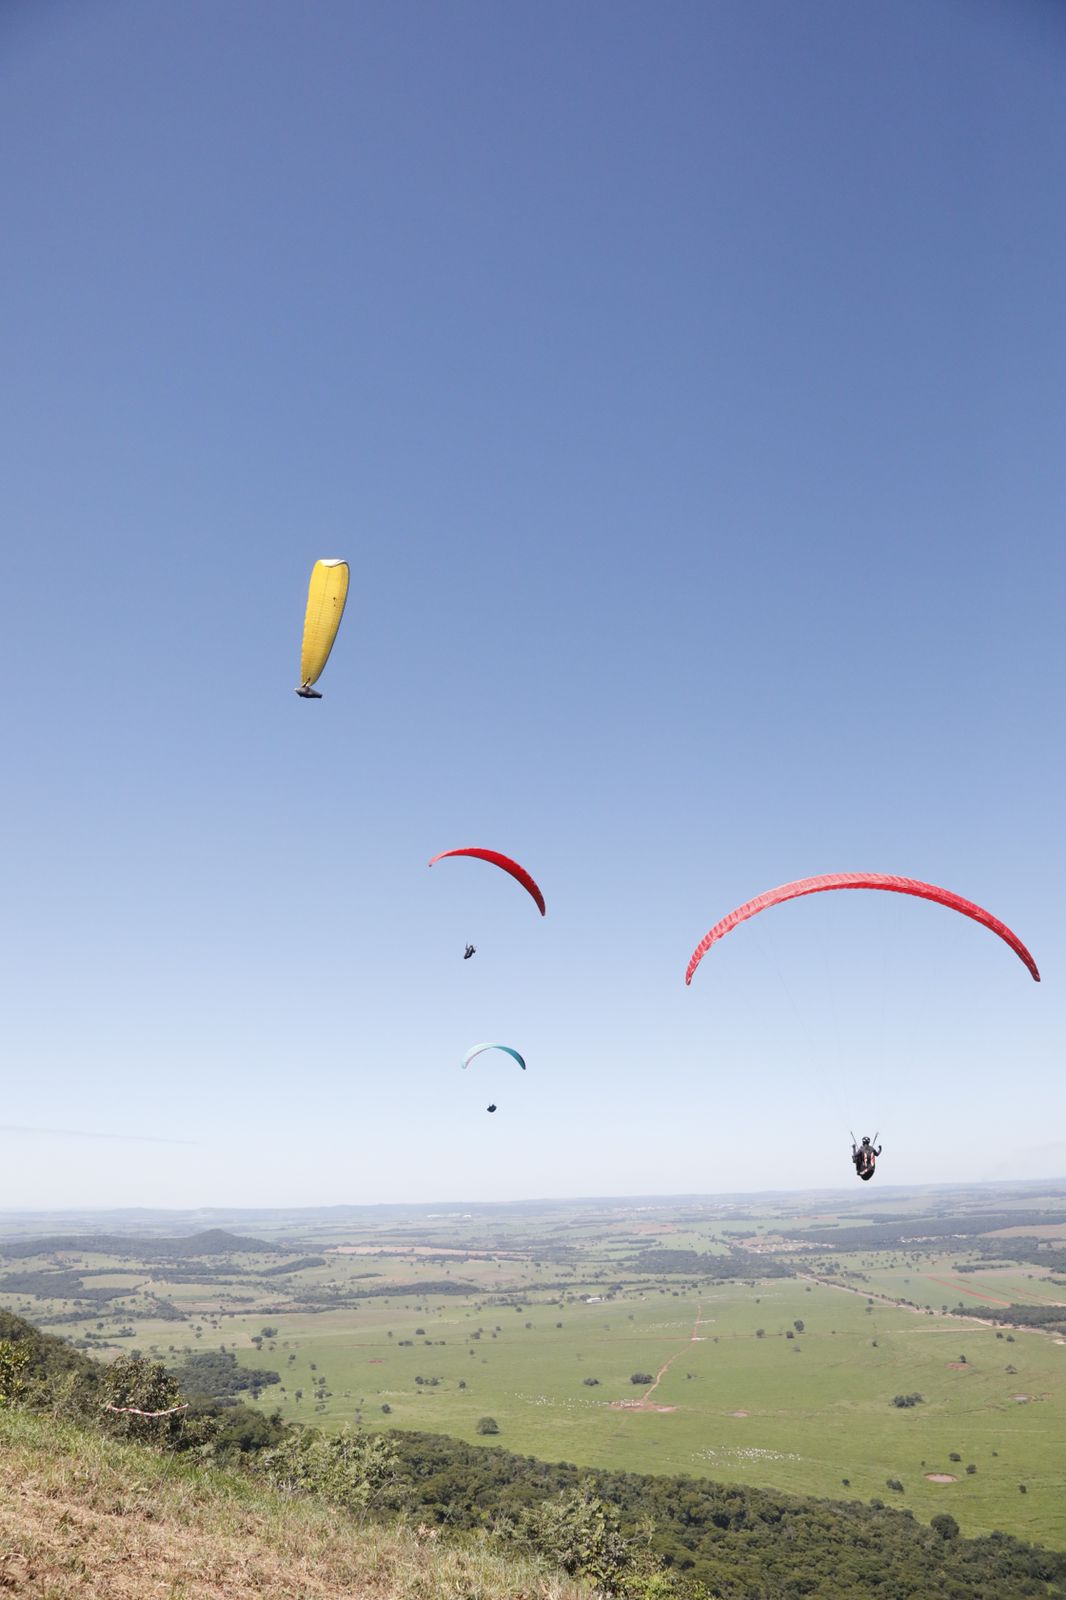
(505, 863)
(860, 880)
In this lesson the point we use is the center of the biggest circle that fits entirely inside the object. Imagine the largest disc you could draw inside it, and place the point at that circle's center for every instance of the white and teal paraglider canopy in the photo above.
(476, 1050)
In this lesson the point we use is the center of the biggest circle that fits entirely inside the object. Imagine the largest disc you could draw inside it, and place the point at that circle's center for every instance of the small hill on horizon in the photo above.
(209, 1242)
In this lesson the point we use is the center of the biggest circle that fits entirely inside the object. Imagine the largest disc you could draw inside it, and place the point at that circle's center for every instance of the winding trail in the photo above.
(664, 1369)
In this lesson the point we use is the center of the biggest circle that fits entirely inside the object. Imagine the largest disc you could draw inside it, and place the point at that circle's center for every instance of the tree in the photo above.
(487, 1425)
(146, 1386)
(945, 1525)
(641, 1378)
(581, 1533)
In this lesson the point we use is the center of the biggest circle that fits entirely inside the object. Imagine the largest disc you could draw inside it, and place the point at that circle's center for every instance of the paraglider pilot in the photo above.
(865, 1157)
(469, 951)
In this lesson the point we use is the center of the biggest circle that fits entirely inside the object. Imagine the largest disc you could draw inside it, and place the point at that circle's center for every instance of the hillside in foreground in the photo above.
(81, 1515)
(214, 1506)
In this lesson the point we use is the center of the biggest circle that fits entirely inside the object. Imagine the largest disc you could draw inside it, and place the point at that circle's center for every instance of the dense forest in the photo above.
(739, 1542)
(705, 1265)
(1051, 1317)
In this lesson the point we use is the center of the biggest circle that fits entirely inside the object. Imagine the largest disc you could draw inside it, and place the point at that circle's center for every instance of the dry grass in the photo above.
(85, 1517)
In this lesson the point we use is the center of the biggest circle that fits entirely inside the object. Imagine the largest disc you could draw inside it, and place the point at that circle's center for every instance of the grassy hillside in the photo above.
(81, 1514)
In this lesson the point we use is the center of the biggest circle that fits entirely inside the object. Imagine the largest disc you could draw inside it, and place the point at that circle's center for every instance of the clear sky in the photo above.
(686, 387)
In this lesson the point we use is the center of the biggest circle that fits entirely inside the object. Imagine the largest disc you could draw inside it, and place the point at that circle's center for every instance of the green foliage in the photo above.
(148, 1386)
(906, 1400)
(218, 1374)
(641, 1378)
(579, 1532)
(739, 1543)
(487, 1425)
(14, 1359)
(355, 1471)
(53, 1373)
(237, 1431)
(945, 1525)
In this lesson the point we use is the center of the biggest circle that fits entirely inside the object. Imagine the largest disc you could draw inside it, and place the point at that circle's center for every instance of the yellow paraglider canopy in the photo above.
(326, 595)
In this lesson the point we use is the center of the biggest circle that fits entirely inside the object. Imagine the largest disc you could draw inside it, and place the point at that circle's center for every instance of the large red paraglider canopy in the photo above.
(505, 863)
(860, 880)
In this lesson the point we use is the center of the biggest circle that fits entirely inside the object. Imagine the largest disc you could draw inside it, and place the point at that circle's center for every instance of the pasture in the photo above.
(542, 1320)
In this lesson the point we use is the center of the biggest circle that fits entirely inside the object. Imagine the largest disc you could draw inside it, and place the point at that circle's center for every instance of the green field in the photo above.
(540, 1319)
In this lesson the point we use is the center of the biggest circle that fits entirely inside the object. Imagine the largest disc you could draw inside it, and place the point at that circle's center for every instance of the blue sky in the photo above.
(687, 390)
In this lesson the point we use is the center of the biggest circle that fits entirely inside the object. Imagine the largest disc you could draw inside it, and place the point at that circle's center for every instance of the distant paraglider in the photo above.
(861, 880)
(476, 1050)
(505, 863)
(326, 595)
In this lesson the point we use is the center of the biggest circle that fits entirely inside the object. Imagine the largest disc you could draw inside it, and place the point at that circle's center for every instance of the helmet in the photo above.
(866, 1138)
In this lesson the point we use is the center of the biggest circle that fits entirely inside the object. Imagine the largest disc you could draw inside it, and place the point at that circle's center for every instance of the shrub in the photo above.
(590, 1383)
(641, 1378)
(487, 1425)
(352, 1470)
(945, 1525)
(14, 1359)
(580, 1532)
